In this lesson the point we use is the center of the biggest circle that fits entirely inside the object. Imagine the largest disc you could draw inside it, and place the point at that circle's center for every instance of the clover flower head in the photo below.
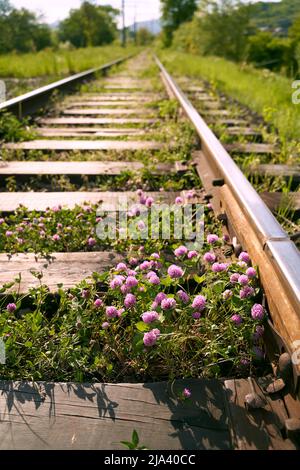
(175, 272)
(180, 251)
(149, 317)
(199, 302)
(168, 304)
(257, 312)
(244, 257)
(212, 238)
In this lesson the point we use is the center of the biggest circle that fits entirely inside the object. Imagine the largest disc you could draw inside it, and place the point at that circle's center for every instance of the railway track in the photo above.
(98, 138)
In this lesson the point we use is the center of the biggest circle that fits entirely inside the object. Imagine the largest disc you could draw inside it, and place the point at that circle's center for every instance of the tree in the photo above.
(271, 52)
(144, 37)
(27, 34)
(174, 13)
(226, 28)
(89, 25)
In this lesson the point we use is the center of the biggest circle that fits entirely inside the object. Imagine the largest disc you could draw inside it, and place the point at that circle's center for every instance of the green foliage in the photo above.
(134, 444)
(144, 37)
(21, 30)
(271, 52)
(89, 25)
(174, 13)
(13, 130)
(67, 337)
(275, 16)
(189, 37)
(225, 27)
(58, 62)
(269, 94)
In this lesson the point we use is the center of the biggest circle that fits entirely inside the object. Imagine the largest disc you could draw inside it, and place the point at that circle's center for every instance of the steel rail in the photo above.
(274, 242)
(29, 103)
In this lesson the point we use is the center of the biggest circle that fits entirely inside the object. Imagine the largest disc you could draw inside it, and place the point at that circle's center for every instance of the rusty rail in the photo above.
(269, 246)
(31, 102)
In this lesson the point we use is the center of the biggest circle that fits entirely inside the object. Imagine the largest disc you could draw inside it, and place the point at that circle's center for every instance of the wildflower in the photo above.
(145, 265)
(251, 272)
(150, 338)
(130, 300)
(190, 194)
(257, 312)
(121, 267)
(192, 254)
(168, 304)
(149, 317)
(178, 200)
(124, 289)
(180, 251)
(85, 293)
(196, 315)
(116, 282)
(131, 281)
(242, 264)
(259, 331)
(98, 303)
(155, 255)
(175, 272)
(56, 238)
(133, 261)
(209, 206)
(243, 279)
(139, 192)
(149, 201)
(91, 241)
(154, 280)
(237, 319)
(244, 257)
(219, 267)
(11, 307)
(211, 238)
(143, 199)
(120, 311)
(227, 294)
(183, 296)
(8, 233)
(58, 226)
(226, 238)
(234, 278)
(209, 257)
(187, 393)
(244, 362)
(111, 312)
(160, 297)
(2, 221)
(246, 291)
(199, 303)
(105, 325)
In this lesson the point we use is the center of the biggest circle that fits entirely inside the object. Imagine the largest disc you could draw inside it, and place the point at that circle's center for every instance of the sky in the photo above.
(55, 10)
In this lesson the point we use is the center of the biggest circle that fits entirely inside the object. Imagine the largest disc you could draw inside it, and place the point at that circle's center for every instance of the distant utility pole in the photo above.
(123, 24)
(135, 25)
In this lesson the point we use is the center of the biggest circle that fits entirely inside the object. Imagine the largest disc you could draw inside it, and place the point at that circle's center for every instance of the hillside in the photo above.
(276, 16)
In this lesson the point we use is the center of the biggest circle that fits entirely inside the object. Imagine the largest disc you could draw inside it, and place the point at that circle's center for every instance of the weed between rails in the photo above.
(147, 319)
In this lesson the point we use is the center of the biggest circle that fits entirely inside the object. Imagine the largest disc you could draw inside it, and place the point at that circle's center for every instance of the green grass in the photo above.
(58, 63)
(266, 93)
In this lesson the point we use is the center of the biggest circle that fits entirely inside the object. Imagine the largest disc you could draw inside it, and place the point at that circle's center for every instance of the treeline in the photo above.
(229, 28)
(22, 31)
